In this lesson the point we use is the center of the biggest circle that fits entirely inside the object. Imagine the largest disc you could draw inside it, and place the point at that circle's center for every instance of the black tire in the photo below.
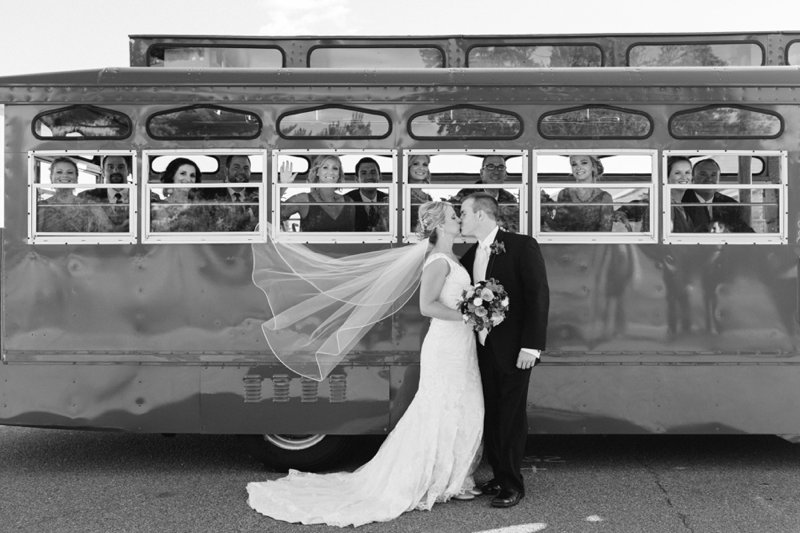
(308, 453)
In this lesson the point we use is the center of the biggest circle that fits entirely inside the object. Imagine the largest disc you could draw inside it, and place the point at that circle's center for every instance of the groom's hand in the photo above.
(527, 359)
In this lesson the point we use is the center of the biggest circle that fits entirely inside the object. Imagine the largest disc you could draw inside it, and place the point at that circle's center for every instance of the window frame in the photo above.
(390, 46)
(300, 111)
(130, 237)
(678, 114)
(726, 238)
(626, 110)
(148, 121)
(408, 234)
(633, 45)
(332, 237)
(478, 138)
(43, 114)
(585, 237)
(554, 44)
(208, 237)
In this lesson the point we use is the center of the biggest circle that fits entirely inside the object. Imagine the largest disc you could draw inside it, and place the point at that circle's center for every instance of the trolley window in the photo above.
(79, 197)
(334, 122)
(595, 122)
(793, 53)
(717, 54)
(465, 122)
(732, 197)
(595, 196)
(214, 57)
(334, 195)
(204, 196)
(533, 56)
(203, 122)
(82, 122)
(376, 57)
(725, 122)
(452, 175)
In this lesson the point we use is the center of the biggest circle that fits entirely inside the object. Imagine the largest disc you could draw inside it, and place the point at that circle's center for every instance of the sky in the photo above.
(55, 35)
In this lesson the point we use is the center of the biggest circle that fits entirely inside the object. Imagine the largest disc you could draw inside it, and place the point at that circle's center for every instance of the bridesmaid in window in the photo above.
(334, 211)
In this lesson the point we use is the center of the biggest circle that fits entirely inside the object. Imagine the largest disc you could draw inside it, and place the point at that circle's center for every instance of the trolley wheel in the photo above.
(303, 452)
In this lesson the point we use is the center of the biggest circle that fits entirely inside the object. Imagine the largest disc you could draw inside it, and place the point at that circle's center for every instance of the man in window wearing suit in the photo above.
(704, 203)
(368, 217)
(115, 170)
(232, 217)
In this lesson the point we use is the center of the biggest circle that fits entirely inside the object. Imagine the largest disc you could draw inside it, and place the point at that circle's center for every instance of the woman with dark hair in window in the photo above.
(334, 211)
(173, 212)
(596, 215)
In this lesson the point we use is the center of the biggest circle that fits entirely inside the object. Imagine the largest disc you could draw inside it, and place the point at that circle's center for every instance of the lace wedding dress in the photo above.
(428, 457)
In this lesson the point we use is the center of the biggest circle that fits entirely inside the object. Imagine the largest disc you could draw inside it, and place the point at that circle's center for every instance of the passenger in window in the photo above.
(323, 208)
(679, 172)
(419, 173)
(598, 216)
(115, 170)
(179, 215)
(493, 172)
(240, 209)
(707, 172)
(370, 217)
(64, 212)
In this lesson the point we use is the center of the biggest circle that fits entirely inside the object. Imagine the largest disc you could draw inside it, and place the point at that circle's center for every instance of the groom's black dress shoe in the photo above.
(507, 498)
(490, 488)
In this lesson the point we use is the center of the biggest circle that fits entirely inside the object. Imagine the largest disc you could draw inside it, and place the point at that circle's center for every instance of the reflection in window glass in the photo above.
(215, 57)
(376, 57)
(595, 209)
(465, 122)
(725, 122)
(334, 122)
(793, 54)
(695, 55)
(595, 122)
(183, 209)
(531, 56)
(204, 122)
(82, 121)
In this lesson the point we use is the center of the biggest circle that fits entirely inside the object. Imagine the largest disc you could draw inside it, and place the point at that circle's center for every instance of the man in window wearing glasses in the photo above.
(115, 170)
(493, 172)
(370, 217)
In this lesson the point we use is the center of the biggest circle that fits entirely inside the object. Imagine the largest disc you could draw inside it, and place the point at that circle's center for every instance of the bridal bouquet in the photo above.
(484, 305)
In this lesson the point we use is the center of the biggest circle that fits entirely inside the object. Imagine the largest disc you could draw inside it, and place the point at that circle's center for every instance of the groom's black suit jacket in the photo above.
(521, 271)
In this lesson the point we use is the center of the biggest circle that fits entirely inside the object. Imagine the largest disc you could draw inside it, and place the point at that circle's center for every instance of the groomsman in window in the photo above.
(233, 217)
(115, 170)
(704, 204)
(370, 217)
(493, 172)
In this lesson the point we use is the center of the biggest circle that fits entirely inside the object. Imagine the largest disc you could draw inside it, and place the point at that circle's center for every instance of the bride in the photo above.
(431, 454)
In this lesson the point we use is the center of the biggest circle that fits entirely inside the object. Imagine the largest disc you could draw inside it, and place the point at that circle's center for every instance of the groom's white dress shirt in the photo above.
(482, 254)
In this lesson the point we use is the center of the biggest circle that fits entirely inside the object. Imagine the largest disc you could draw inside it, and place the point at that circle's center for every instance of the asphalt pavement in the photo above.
(75, 481)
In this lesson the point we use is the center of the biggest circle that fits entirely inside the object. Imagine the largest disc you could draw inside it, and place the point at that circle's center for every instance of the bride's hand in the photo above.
(286, 174)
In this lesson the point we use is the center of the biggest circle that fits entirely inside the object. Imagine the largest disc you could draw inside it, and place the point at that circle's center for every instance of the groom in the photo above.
(513, 347)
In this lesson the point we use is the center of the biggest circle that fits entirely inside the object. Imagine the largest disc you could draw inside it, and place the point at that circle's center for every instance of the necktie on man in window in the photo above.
(237, 197)
(118, 198)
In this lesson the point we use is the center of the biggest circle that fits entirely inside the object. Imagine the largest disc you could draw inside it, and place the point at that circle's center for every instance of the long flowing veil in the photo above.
(322, 306)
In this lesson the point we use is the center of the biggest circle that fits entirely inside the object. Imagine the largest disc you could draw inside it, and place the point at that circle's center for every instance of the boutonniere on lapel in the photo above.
(497, 248)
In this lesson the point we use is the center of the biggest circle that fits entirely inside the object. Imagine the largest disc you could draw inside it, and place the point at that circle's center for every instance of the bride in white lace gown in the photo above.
(433, 450)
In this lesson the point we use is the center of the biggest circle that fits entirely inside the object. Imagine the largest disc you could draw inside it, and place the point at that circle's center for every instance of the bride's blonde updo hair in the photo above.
(431, 215)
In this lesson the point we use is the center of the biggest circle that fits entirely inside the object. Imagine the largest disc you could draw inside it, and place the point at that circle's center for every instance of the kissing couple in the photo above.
(473, 387)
